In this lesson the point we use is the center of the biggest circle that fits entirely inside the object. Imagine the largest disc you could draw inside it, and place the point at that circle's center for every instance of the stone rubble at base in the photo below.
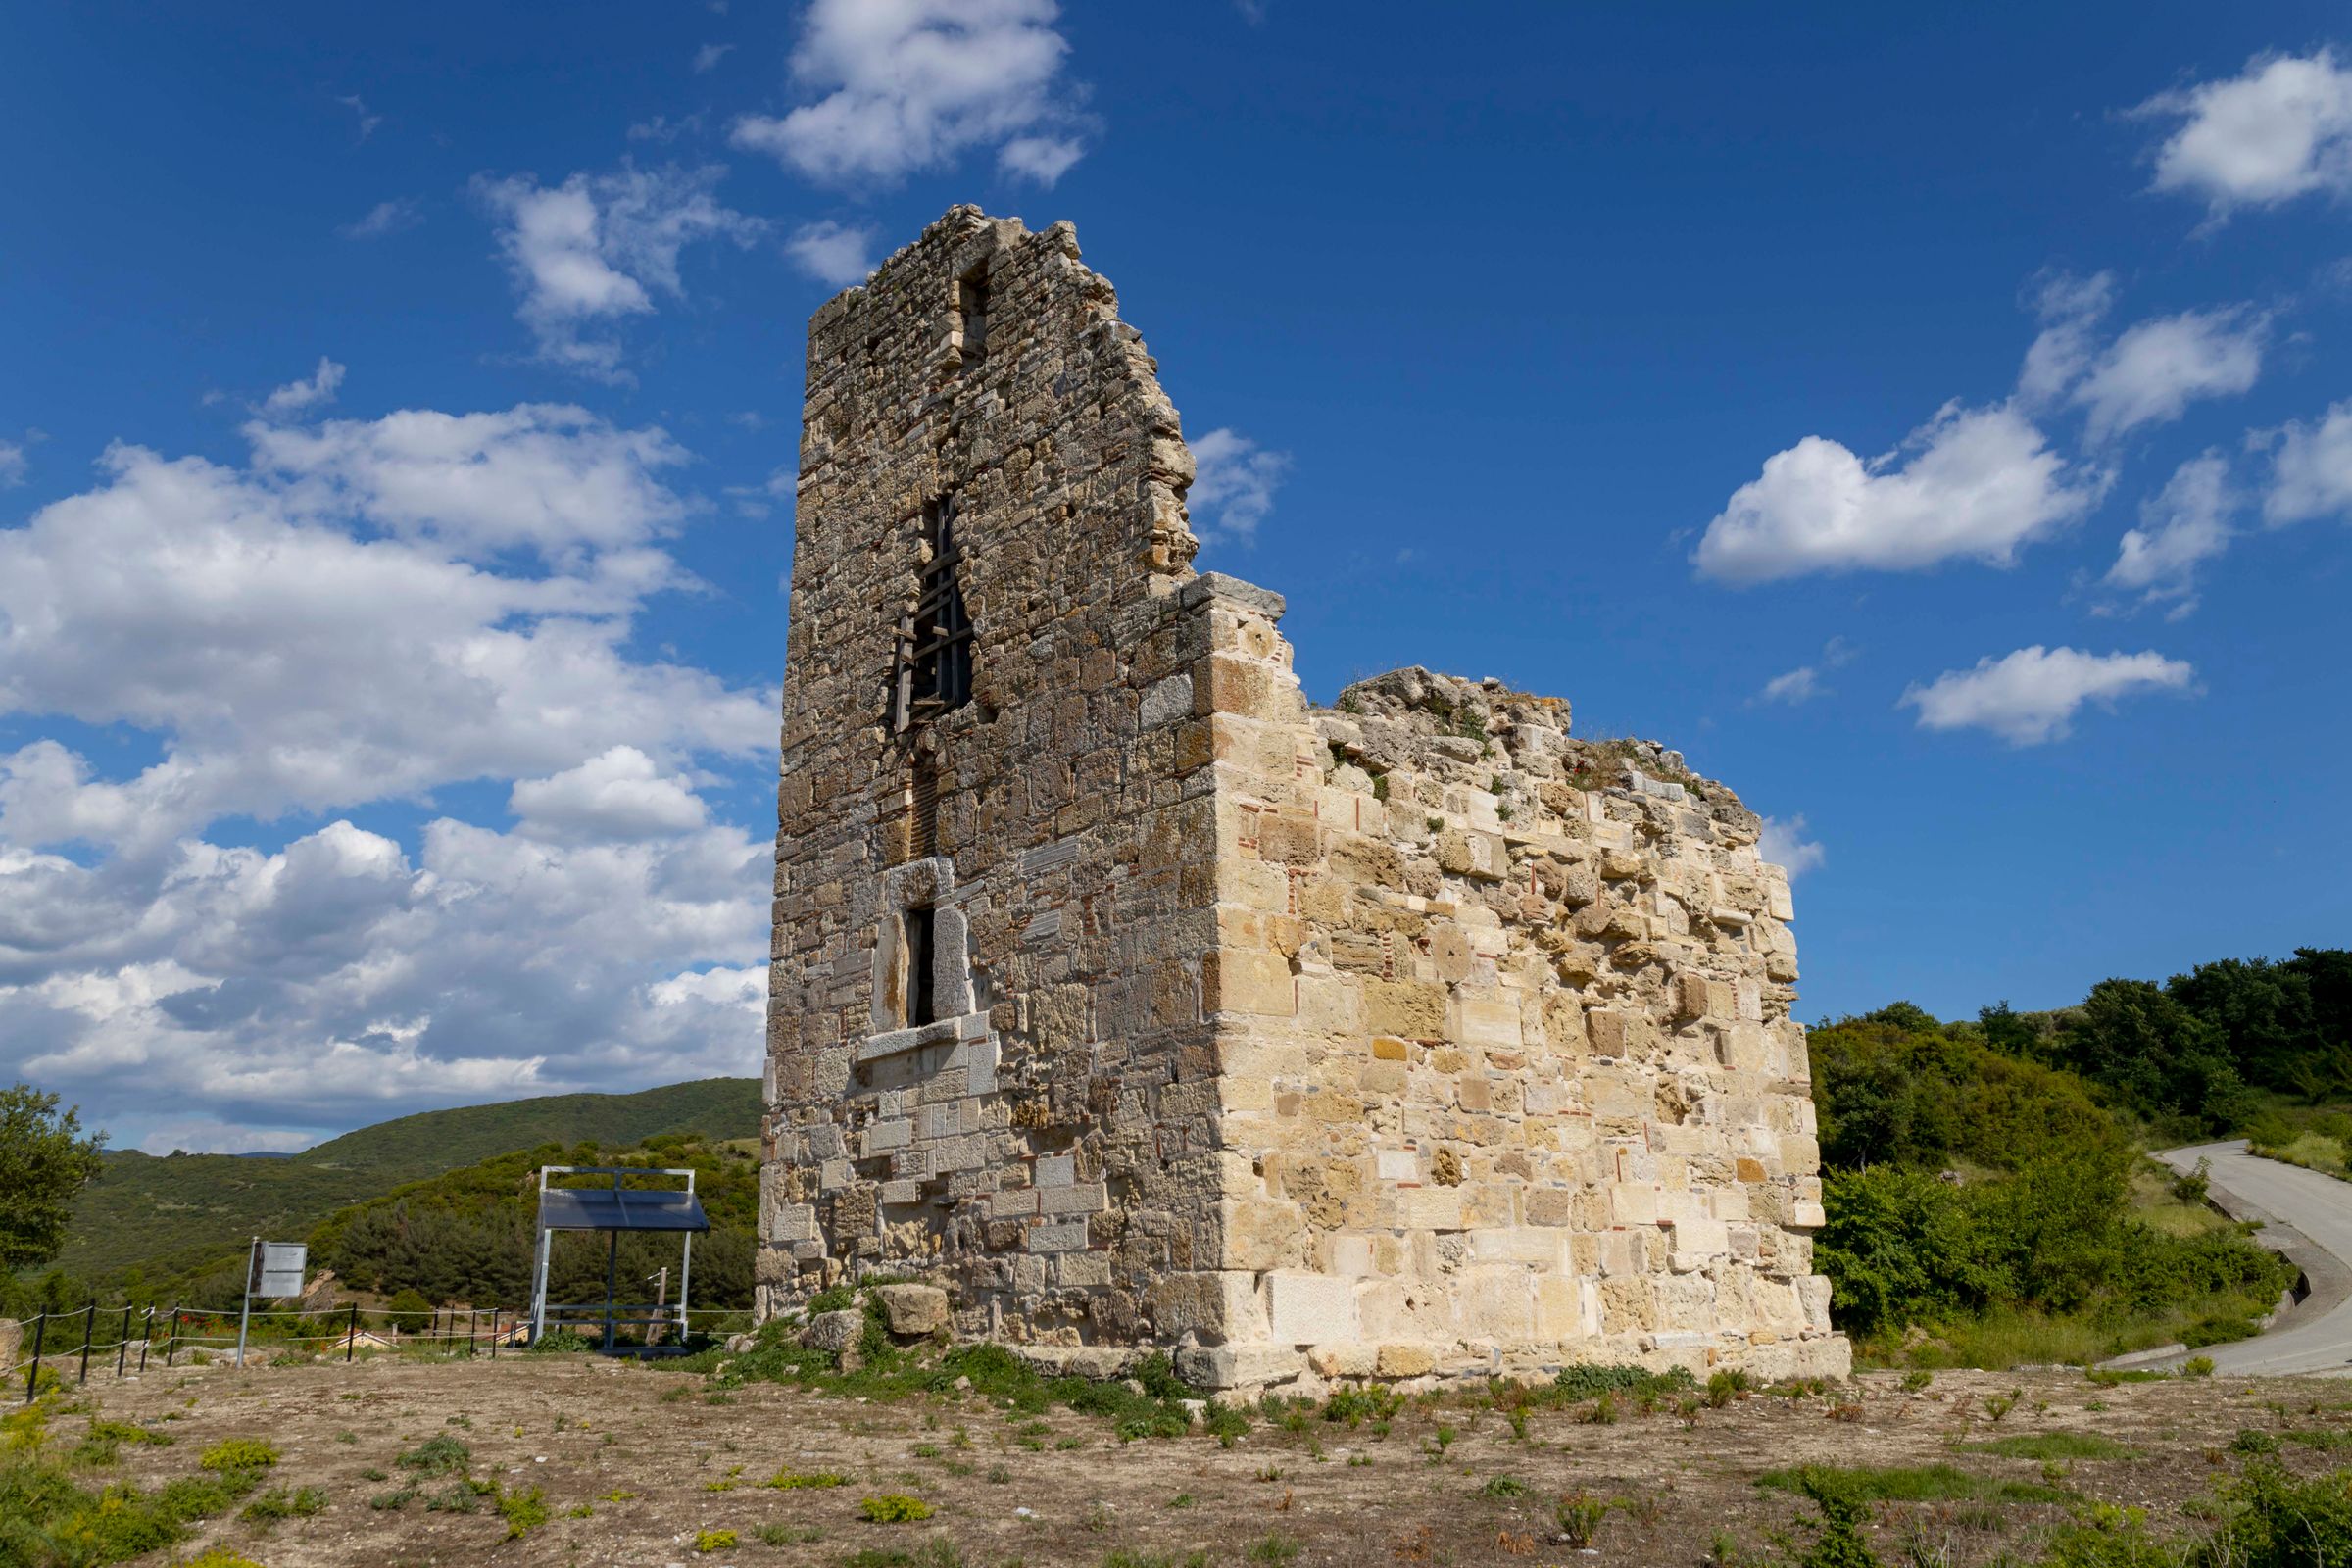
(1410, 1037)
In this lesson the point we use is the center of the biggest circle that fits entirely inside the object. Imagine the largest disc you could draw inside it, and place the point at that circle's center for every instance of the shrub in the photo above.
(1575, 1384)
(240, 1453)
(1837, 1542)
(1357, 1405)
(280, 1504)
(439, 1455)
(714, 1540)
(1579, 1517)
(790, 1481)
(2195, 1186)
(2280, 1522)
(524, 1511)
(894, 1508)
(407, 1311)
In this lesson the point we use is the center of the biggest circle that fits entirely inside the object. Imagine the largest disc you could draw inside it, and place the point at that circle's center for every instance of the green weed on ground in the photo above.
(991, 1371)
(2049, 1445)
(1928, 1483)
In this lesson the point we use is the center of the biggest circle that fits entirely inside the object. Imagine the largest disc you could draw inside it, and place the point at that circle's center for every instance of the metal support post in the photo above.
(611, 1278)
(245, 1316)
(40, 1332)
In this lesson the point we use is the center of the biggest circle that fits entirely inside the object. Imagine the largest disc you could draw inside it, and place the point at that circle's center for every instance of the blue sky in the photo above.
(1923, 421)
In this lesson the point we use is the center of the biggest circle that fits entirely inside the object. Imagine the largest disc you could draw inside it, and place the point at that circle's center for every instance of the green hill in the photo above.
(174, 1214)
(467, 1235)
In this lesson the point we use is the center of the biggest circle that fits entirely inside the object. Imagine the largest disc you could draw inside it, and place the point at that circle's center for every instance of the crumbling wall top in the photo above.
(1453, 727)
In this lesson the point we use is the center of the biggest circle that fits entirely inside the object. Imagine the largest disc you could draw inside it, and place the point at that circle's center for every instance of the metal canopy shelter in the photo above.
(614, 1209)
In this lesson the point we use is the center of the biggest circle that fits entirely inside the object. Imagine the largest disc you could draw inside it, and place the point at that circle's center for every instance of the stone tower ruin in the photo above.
(1136, 1001)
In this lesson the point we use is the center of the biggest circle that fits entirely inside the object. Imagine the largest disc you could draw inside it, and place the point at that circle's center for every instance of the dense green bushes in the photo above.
(1897, 1087)
(2192, 1053)
(1961, 1181)
(1904, 1247)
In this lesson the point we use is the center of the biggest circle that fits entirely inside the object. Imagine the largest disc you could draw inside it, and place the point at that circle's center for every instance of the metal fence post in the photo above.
(172, 1349)
(351, 1340)
(146, 1339)
(90, 1321)
(122, 1342)
(471, 1318)
(494, 1334)
(40, 1332)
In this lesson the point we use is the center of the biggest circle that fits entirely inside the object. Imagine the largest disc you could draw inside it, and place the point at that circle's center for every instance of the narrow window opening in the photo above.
(971, 303)
(918, 949)
(925, 812)
(939, 635)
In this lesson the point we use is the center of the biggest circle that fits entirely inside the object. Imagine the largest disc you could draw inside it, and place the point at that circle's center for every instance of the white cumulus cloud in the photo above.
(2180, 529)
(1803, 683)
(600, 247)
(2278, 129)
(385, 217)
(367, 612)
(1234, 484)
(902, 86)
(329, 626)
(2149, 373)
(833, 253)
(13, 466)
(1783, 844)
(2157, 367)
(2030, 695)
(619, 794)
(2310, 471)
(1971, 483)
(296, 396)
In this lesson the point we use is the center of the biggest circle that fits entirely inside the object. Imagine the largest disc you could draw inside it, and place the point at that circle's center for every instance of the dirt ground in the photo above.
(634, 1462)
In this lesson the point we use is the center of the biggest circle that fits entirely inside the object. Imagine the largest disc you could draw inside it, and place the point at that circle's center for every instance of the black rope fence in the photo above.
(69, 1342)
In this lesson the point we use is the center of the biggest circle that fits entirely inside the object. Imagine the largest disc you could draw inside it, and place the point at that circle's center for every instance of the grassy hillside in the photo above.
(174, 1214)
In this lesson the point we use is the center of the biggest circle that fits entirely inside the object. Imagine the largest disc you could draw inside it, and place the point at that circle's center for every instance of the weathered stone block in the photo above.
(912, 1310)
(1310, 1309)
(1411, 1009)
(833, 1331)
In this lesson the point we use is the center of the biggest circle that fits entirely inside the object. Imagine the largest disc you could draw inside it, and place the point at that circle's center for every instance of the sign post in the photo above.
(272, 1269)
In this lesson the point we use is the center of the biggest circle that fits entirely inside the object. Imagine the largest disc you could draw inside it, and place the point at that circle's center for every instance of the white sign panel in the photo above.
(277, 1270)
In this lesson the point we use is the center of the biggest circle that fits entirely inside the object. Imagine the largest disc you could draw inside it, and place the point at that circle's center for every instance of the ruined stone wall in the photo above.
(1513, 1079)
(1042, 1147)
(1409, 1036)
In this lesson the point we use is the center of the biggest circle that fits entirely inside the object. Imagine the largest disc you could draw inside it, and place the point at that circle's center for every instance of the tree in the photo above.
(2160, 1058)
(44, 1162)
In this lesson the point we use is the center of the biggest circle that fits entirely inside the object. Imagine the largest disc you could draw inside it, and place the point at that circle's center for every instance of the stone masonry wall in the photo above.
(1044, 1147)
(1509, 1073)
(1412, 1035)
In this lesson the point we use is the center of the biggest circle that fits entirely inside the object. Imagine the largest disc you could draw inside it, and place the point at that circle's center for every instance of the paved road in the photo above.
(2311, 1215)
